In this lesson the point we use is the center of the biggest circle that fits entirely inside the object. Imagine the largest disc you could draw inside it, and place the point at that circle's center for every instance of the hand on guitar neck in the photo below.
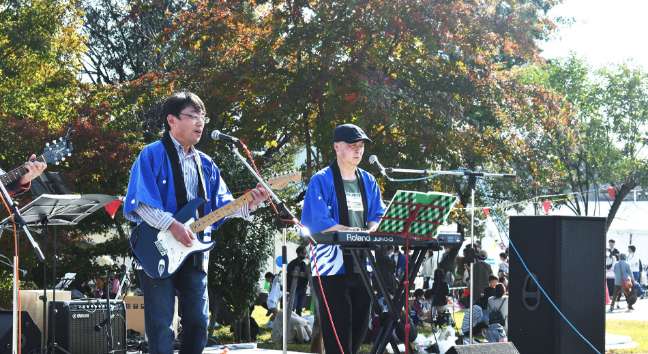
(34, 169)
(259, 195)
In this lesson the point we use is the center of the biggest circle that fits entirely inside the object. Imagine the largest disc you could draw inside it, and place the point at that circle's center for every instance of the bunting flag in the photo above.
(486, 211)
(112, 207)
(546, 205)
(611, 192)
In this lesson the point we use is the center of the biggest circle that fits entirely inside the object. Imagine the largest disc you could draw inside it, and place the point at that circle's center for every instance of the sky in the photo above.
(602, 31)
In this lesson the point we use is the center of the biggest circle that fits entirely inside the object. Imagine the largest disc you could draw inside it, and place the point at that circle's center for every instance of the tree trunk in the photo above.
(625, 189)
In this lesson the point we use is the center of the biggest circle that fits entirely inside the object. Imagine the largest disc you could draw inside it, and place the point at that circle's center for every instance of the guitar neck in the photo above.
(15, 174)
(229, 209)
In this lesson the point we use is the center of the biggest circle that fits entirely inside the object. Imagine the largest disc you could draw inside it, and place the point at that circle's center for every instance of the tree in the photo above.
(608, 110)
(429, 80)
(127, 39)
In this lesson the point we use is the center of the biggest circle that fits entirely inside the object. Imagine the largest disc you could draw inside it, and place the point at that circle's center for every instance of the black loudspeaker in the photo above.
(567, 255)
(31, 336)
(81, 326)
(485, 348)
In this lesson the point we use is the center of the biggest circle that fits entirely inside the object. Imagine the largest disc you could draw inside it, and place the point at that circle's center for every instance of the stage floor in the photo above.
(242, 348)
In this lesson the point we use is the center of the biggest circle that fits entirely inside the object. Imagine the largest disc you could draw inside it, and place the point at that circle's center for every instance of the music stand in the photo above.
(413, 216)
(59, 210)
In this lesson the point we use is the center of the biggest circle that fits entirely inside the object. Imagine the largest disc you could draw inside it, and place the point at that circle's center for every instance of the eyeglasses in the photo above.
(196, 118)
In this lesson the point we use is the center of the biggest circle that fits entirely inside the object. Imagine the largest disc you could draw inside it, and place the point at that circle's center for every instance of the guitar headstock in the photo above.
(57, 150)
(282, 181)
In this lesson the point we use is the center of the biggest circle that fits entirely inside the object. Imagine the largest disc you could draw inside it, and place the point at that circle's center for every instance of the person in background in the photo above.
(622, 275)
(503, 268)
(482, 272)
(428, 268)
(612, 250)
(298, 271)
(499, 302)
(440, 292)
(490, 289)
(634, 262)
(610, 261)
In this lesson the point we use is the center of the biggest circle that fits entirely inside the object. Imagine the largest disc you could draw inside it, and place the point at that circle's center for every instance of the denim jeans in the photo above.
(189, 283)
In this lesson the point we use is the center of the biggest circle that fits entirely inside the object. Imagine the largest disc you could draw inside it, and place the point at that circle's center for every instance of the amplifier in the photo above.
(79, 326)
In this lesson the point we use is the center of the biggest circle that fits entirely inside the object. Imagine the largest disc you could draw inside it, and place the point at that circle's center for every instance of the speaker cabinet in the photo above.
(31, 336)
(485, 348)
(567, 255)
(81, 326)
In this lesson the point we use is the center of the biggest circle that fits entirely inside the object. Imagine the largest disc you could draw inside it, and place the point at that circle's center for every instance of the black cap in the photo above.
(349, 133)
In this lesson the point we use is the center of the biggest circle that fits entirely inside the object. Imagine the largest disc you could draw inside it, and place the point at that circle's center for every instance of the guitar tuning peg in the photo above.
(56, 163)
(62, 158)
(54, 141)
(61, 139)
(69, 154)
(46, 144)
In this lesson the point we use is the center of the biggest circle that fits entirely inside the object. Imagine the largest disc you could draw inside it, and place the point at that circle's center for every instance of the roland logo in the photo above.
(80, 315)
(358, 238)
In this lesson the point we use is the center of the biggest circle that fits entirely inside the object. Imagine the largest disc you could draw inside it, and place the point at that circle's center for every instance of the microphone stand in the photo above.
(472, 180)
(284, 220)
(17, 218)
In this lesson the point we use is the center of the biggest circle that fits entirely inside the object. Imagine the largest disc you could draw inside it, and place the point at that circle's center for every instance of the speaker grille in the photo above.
(79, 325)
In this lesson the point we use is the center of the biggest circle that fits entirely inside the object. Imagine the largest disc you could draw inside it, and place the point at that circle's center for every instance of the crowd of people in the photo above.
(443, 271)
(445, 280)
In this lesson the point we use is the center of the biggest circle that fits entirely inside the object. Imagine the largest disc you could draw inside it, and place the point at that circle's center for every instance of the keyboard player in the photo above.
(342, 197)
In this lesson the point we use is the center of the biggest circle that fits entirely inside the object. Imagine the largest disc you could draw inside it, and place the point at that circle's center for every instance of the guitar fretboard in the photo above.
(229, 209)
(15, 174)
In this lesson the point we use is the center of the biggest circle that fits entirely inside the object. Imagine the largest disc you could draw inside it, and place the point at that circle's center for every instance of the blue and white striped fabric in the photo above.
(321, 212)
(328, 259)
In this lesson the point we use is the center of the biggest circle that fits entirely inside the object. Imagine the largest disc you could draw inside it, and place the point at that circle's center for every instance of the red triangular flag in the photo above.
(486, 211)
(112, 207)
(546, 205)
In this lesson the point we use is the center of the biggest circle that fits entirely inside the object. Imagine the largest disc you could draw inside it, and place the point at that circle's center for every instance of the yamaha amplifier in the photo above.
(81, 326)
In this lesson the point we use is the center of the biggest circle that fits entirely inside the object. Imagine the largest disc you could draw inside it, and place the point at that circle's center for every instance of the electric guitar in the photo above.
(161, 255)
(55, 152)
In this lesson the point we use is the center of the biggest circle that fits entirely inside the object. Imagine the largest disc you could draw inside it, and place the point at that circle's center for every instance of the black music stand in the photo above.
(58, 210)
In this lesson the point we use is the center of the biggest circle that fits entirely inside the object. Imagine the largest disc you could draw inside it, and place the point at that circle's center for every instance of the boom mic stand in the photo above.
(472, 180)
(284, 220)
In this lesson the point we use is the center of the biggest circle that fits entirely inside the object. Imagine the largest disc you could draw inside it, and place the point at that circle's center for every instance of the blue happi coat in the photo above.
(321, 212)
(151, 183)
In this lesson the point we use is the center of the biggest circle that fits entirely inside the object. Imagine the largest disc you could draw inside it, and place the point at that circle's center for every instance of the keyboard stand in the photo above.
(394, 302)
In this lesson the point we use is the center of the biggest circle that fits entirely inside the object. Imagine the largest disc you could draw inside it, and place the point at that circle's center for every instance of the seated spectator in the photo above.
(503, 279)
(498, 307)
(440, 292)
(480, 320)
(416, 307)
(490, 289)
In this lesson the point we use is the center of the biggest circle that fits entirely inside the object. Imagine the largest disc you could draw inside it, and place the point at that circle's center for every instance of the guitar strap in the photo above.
(178, 180)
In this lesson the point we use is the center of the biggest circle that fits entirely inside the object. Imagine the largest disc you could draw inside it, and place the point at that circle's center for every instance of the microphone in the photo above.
(373, 160)
(217, 135)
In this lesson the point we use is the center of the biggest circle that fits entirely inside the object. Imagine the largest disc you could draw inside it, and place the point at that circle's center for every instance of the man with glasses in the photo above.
(166, 175)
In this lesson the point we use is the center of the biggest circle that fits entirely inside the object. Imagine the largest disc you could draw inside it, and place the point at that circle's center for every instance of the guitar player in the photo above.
(33, 169)
(166, 175)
